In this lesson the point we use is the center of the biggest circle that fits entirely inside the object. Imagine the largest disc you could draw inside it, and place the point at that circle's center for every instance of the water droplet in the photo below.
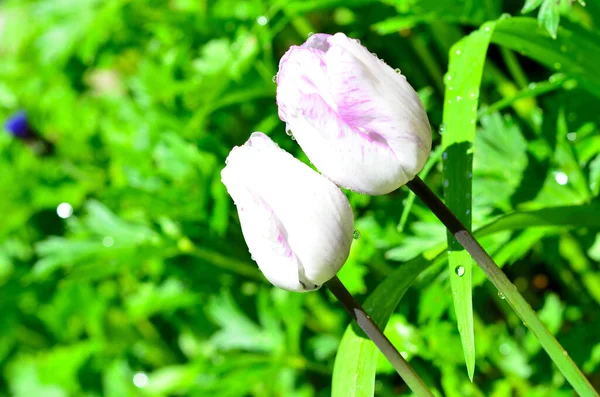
(451, 88)
(310, 34)
(532, 86)
(501, 295)
(565, 353)
(505, 15)
(445, 155)
(446, 182)
(449, 77)
(274, 79)
(457, 52)
(262, 20)
(561, 178)
(458, 98)
(487, 28)
(469, 175)
(459, 270)
(357, 41)
(356, 235)
(64, 210)
(572, 136)
(140, 380)
(398, 71)
(467, 212)
(288, 131)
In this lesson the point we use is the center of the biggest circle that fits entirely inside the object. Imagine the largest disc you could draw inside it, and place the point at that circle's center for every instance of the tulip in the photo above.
(358, 120)
(297, 224)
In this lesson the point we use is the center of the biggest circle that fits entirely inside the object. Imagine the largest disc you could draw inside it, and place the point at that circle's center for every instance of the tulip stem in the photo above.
(559, 355)
(364, 321)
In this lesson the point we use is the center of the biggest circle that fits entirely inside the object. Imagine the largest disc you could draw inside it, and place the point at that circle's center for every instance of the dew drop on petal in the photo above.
(459, 270)
(398, 71)
(356, 235)
(310, 34)
(501, 295)
(274, 79)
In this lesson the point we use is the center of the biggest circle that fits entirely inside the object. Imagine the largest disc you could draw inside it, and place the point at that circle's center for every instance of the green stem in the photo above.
(559, 355)
(512, 63)
(364, 321)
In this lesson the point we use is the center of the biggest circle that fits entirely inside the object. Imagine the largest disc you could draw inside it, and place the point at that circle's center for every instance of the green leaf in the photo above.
(575, 51)
(467, 58)
(531, 5)
(578, 215)
(549, 16)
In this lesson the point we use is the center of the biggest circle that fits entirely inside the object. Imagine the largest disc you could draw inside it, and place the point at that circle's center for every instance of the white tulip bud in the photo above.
(298, 225)
(358, 120)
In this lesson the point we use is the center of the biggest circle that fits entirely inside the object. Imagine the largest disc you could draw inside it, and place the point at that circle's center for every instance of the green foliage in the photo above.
(148, 288)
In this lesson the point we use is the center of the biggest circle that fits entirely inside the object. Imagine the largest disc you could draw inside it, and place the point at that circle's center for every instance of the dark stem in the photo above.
(560, 357)
(413, 381)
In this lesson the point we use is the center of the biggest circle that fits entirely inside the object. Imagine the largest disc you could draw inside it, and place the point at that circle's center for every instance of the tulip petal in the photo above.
(298, 225)
(358, 121)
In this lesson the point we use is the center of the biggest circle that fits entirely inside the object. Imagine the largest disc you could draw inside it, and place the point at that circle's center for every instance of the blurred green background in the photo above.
(123, 271)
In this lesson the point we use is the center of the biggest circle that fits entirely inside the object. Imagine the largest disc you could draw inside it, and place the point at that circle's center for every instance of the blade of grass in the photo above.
(533, 90)
(465, 69)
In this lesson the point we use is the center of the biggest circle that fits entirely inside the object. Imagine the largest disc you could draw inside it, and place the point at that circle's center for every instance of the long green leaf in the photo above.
(575, 51)
(465, 70)
(356, 361)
